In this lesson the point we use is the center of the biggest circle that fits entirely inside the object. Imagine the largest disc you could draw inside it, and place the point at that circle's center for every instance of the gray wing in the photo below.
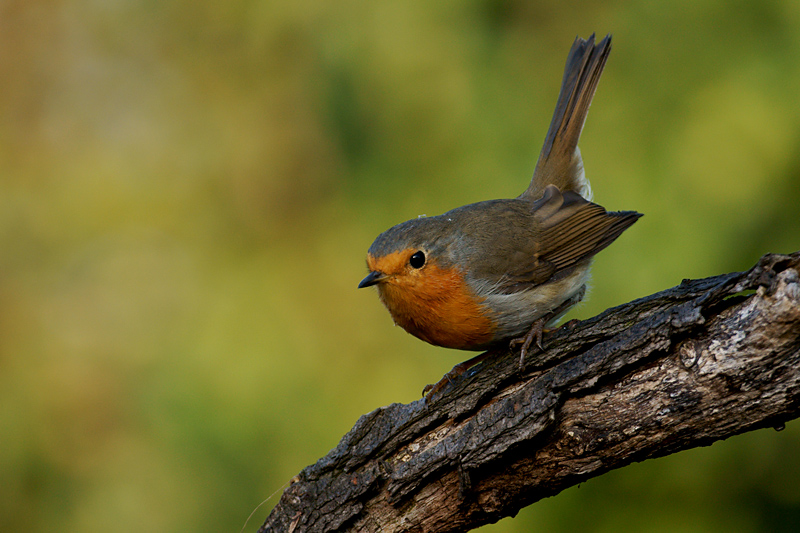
(567, 230)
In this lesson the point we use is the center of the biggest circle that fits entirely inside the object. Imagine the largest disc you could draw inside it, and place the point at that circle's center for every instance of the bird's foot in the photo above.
(536, 332)
(457, 371)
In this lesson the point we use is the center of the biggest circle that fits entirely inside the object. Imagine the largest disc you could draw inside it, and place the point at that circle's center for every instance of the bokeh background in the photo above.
(188, 190)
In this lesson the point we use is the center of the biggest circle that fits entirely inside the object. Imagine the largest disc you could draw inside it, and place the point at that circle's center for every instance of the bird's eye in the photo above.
(417, 260)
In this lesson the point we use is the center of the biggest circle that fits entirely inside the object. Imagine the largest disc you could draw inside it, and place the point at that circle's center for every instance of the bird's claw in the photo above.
(536, 333)
(457, 371)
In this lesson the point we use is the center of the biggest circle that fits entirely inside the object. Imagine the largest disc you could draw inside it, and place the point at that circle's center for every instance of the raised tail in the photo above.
(560, 162)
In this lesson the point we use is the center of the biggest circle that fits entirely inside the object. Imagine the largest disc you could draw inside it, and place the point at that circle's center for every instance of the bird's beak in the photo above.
(372, 278)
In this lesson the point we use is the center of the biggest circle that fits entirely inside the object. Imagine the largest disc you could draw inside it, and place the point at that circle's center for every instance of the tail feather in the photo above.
(560, 162)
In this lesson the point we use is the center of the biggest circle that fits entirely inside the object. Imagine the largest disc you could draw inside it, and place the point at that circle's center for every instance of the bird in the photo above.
(497, 272)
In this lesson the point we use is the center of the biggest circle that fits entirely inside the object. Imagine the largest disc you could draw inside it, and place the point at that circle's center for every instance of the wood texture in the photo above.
(682, 368)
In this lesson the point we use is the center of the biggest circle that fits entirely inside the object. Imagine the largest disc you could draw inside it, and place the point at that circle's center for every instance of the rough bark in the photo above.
(682, 368)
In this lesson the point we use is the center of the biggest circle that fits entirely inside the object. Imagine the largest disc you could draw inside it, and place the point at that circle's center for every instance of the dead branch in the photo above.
(682, 368)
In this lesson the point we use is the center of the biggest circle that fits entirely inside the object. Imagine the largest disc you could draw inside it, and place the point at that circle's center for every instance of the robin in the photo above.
(498, 271)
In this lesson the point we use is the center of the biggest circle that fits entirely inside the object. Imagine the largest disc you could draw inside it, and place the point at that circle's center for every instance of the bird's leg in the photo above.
(456, 372)
(537, 329)
(536, 332)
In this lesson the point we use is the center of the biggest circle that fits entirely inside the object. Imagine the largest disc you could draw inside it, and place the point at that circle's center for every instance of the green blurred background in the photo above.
(188, 190)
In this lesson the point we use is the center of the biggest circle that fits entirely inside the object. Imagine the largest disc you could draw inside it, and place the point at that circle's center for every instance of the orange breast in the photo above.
(437, 306)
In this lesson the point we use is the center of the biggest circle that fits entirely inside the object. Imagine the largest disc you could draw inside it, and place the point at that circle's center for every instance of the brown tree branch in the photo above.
(682, 368)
